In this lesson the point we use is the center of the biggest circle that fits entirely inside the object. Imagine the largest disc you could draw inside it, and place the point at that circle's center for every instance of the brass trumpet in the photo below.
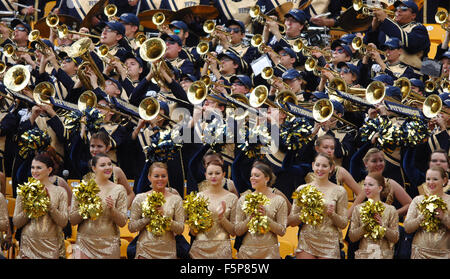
(323, 110)
(52, 20)
(140, 38)
(208, 82)
(2, 67)
(257, 15)
(110, 11)
(149, 109)
(203, 49)
(311, 64)
(357, 44)
(258, 42)
(210, 26)
(260, 96)
(197, 92)
(267, 74)
(368, 10)
(300, 45)
(441, 18)
(432, 84)
(159, 19)
(103, 53)
(63, 31)
(11, 51)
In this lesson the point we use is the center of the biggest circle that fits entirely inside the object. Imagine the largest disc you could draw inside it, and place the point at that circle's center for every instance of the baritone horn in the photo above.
(153, 50)
(43, 92)
(17, 78)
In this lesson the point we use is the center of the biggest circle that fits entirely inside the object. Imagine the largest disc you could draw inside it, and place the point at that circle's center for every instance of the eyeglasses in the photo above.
(20, 29)
(402, 8)
(108, 30)
(284, 53)
(171, 42)
(235, 30)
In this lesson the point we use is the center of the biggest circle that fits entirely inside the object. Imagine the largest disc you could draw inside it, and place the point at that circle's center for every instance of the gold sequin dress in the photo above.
(215, 243)
(375, 249)
(41, 237)
(4, 221)
(428, 245)
(262, 246)
(323, 240)
(100, 238)
(148, 245)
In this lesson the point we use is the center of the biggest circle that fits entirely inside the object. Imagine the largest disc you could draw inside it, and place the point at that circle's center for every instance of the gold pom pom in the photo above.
(428, 207)
(35, 199)
(89, 203)
(199, 218)
(258, 223)
(367, 213)
(311, 203)
(158, 224)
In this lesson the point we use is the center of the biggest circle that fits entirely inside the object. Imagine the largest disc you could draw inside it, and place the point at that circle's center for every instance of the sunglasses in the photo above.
(20, 29)
(176, 31)
(345, 70)
(238, 83)
(402, 8)
(284, 53)
(68, 60)
(235, 30)
(171, 42)
(339, 50)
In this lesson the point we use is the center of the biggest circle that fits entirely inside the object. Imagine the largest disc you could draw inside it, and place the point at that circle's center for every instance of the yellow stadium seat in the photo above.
(11, 205)
(131, 182)
(73, 183)
(9, 188)
(126, 234)
(186, 233)
(233, 251)
(286, 248)
(73, 238)
(69, 250)
(290, 236)
(123, 248)
(350, 195)
(48, 7)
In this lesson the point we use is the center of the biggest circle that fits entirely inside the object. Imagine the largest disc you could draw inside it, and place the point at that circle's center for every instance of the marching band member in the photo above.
(131, 23)
(230, 64)
(295, 21)
(174, 48)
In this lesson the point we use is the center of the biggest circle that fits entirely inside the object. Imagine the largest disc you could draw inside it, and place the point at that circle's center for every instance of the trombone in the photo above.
(441, 18)
(357, 44)
(11, 51)
(257, 15)
(299, 45)
(81, 49)
(311, 64)
(368, 9)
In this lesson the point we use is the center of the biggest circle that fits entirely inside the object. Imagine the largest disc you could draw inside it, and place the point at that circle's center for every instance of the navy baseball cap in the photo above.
(352, 67)
(231, 55)
(290, 51)
(244, 79)
(45, 41)
(418, 83)
(338, 107)
(347, 38)
(116, 26)
(172, 38)
(17, 21)
(178, 24)
(236, 22)
(297, 14)
(410, 4)
(385, 79)
(131, 55)
(394, 92)
(445, 97)
(116, 82)
(393, 43)
(291, 74)
(446, 54)
(130, 19)
(339, 43)
(189, 76)
(64, 55)
(320, 95)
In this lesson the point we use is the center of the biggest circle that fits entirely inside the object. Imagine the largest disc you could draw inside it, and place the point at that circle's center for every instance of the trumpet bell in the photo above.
(149, 108)
(357, 43)
(9, 50)
(2, 67)
(375, 92)
(158, 18)
(43, 92)
(140, 39)
(323, 110)
(202, 48)
(153, 49)
(310, 64)
(267, 73)
(110, 10)
(87, 99)
(258, 96)
(298, 45)
(17, 78)
(34, 35)
(255, 11)
(432, 106)
(357, 5)
(206, 80)
(405, 86)
(441, 17)
(197, 92)
(209, 26)
(338, 83)
(286, 97)
(256, 40)
(103, 50)
(52, 20)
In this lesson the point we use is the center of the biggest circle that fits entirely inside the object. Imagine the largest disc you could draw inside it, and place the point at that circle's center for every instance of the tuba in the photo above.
(81, 48)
